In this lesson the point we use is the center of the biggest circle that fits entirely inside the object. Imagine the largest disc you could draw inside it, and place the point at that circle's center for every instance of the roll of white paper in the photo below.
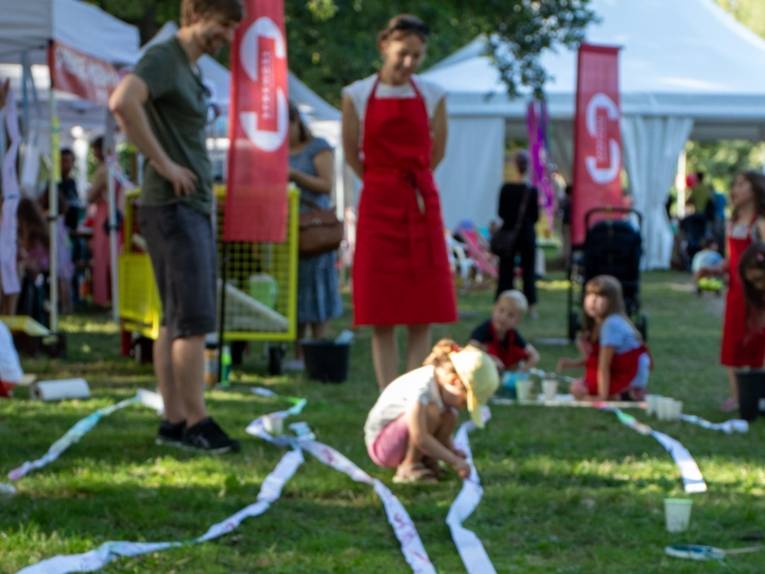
(61, 390)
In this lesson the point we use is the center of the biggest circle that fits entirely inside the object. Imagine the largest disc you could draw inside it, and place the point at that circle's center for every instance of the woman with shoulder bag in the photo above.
(519, 211)
(312, 170)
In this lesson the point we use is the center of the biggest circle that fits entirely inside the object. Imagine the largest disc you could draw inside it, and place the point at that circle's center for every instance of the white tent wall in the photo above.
(26, 30)
(682, 59)
(652, 146)
(470, 191)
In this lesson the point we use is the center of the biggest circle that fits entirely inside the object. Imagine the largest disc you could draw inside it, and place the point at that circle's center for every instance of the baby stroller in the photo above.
(611, 247)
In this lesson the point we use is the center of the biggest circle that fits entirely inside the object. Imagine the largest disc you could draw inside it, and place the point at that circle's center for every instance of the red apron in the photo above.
(401, 272)
(511, 354)
(740, 347)
(624, 369)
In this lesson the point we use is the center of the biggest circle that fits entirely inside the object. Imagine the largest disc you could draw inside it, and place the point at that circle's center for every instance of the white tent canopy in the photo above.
(26, 26)
(687, 69)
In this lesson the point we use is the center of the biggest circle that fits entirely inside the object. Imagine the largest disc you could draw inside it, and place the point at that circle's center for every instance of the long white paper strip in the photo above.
(270, 491)
(469, 546)
(74, 434)
(693, 481)
(728, 427)
(403, 527)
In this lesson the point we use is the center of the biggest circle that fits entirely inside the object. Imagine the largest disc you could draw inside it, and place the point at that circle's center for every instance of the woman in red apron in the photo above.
(401, 272)
(741, 347)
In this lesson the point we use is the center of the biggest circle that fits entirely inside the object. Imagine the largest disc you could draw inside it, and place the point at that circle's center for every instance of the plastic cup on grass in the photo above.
(523, 389)
(550, 389)
(273, 425)
(677, 513)
(652, 404)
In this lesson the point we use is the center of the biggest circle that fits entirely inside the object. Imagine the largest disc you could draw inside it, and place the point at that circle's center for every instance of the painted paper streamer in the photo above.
(74, 434)
(270, 491)
(403, 527)
(468, 545)
(693, 481)
(728, 427)
(8, 228)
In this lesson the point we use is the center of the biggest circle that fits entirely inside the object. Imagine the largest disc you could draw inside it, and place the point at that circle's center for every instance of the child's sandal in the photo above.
(415, 474)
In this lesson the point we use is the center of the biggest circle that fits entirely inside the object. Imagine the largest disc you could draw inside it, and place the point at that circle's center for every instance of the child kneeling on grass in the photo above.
(616, 361)
(411, 425)
(498, 336)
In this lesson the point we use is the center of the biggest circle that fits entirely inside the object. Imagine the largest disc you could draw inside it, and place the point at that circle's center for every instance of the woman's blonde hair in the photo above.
(439, 355)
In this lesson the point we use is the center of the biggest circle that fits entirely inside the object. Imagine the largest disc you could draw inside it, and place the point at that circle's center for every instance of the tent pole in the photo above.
(26, 73)
(55, 168)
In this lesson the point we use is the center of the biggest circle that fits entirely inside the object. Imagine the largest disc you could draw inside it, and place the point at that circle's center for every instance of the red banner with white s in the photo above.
(256, 198)
(597, 136)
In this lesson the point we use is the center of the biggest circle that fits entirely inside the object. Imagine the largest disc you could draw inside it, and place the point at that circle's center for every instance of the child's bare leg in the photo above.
(446, 426)
(732, 383)
(413, 454)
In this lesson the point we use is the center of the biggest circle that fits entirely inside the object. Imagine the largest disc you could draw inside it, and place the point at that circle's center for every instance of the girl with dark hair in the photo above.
(741, 347)
(312, 170)
(394, 135)
(616, 361)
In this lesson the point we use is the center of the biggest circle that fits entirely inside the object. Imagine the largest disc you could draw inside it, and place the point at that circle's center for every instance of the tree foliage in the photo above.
(333, 42)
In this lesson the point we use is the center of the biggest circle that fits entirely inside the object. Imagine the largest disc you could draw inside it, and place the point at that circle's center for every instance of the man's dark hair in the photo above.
(228, 10)
(67, 151)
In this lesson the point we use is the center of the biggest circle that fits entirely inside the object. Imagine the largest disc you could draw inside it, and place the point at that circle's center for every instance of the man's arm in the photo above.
(127, 105)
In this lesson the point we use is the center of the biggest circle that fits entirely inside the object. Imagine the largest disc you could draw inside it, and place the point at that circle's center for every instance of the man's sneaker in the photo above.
(170, 433)
(207, 436)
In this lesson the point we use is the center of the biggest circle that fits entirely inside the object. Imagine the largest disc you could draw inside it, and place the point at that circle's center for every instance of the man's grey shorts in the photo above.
(182, 250)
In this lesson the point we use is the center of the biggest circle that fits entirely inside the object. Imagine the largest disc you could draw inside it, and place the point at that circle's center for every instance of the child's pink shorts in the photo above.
(389, 448)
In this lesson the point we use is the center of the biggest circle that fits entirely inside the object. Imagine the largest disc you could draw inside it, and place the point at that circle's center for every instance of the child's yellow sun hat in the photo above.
(478, 372)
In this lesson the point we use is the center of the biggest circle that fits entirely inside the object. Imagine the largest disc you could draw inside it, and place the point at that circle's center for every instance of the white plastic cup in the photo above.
(677, 513)
(523, 389)
(273, 425)
(677, 410)
(550, 389)
(664, 408)
(652, 404)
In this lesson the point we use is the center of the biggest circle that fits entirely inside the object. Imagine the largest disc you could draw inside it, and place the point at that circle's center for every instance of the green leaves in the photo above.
(333, 42)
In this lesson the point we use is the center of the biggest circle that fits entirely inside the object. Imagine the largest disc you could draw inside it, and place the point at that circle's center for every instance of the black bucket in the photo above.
(751, 393)
(326, 361)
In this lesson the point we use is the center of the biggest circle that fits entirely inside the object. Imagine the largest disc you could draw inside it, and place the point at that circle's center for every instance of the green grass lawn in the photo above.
(566, 490)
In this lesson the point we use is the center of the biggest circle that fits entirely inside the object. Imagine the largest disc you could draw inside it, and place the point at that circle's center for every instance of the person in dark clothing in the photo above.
(519, 208)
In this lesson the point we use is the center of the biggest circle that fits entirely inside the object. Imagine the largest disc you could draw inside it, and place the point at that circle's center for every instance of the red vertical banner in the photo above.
(256, 196)
(597, 136)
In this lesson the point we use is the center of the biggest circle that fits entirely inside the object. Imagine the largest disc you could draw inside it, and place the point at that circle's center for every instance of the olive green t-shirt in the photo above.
(177, 110)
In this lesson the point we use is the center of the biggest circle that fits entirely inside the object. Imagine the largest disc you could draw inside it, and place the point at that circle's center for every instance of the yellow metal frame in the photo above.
(139, 303)
(293, 220)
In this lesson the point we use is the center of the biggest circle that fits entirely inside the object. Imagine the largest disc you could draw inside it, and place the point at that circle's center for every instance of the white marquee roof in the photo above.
(28, 25)
(684, 58)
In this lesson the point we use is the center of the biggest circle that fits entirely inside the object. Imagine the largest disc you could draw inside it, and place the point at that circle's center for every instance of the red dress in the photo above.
(740, 347)
(401, 272)
(624, 369)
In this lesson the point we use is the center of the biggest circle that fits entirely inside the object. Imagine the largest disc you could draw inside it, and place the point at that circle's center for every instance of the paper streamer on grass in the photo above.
(74, 434)
(468, 545)
(270, 491)
(693, 481)
(728, 427)
(403, 527)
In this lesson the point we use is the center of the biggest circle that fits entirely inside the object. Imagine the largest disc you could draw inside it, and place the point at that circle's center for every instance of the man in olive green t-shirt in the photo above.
(162, 107)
